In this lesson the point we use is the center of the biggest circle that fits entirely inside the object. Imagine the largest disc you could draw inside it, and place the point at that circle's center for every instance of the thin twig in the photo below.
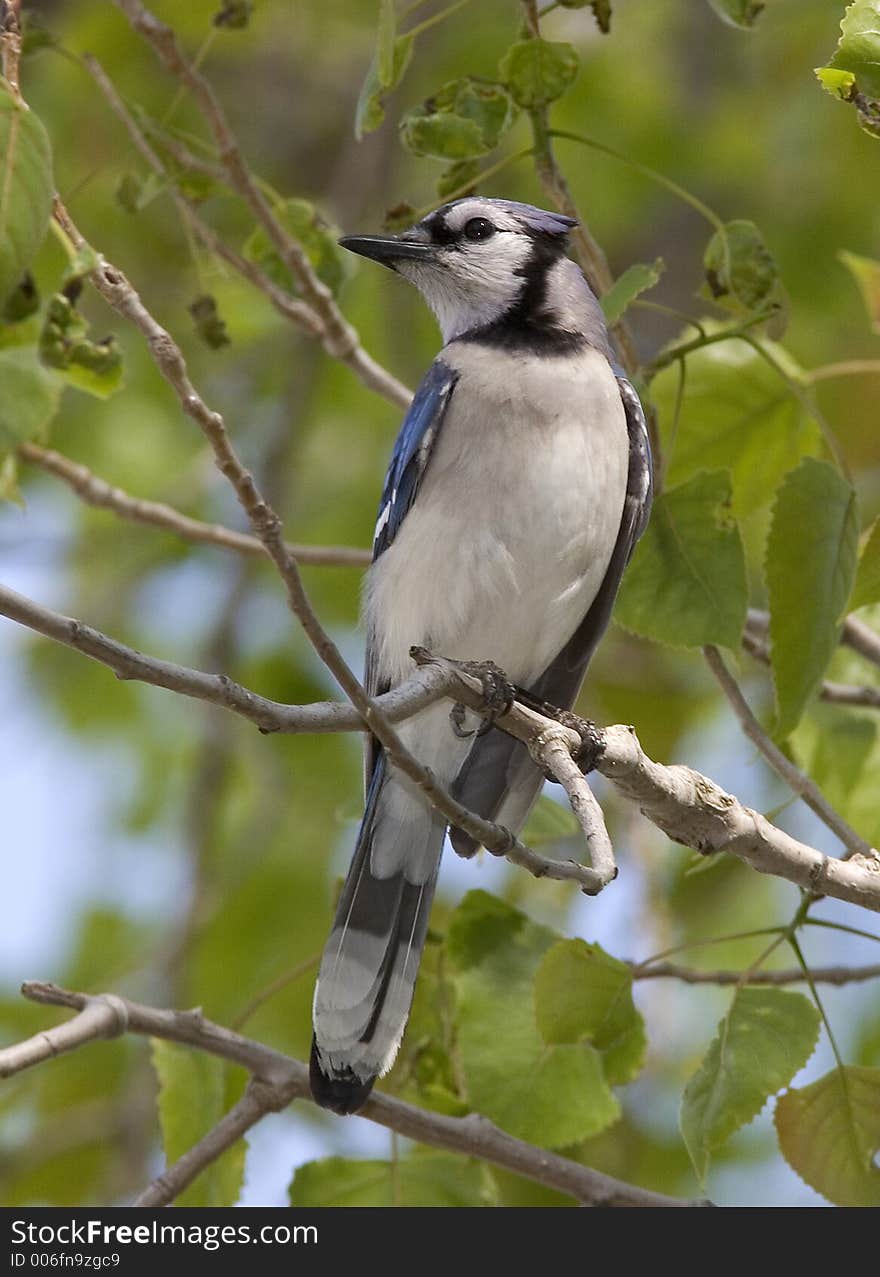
(95, 491)
(339, 338)
(861, 638)
(10, 45)
(689, 975)
(588, 251)
(423, 689)
(846, 368)
(801, 784)
(283, 1080)
(854, 634)
(291, 308)
(835, 693)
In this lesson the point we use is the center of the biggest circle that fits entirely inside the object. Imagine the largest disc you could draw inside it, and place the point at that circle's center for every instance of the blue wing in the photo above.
(409, 461)
(412, 452)
(499, 780)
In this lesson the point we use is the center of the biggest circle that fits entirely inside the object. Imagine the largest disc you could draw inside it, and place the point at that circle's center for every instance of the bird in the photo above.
(518, 487)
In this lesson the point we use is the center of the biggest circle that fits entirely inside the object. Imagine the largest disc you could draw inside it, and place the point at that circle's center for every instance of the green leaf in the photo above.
(549, 822)
(370, 110)
(809, 567)
(867, 587)
(601, 11)
(839, 84)
(741, 272)
(686, 584)
(465, 118)
(209, 323)
(306, 225)
(30, 396)
(766, 1037)
(840, 747)
(9, 489)
(858, 49)
(385, 43)
(738, 13)
(448, 136)
(26, 189)
(538, 72)
(458, 177)
(192, 1099)
(853, 73)
(64, 345)
(602, 14)
(736, 414)
(583, 994)
(22, 302)
(634, 281)
(866, 272)
(421, 1179)
(829, 1134)
(551, 1095)
(234, 15)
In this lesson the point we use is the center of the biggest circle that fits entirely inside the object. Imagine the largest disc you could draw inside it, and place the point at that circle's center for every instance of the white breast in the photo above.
(514, 525)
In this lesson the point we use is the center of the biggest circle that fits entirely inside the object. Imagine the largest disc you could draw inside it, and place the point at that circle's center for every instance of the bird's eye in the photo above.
(478, 228)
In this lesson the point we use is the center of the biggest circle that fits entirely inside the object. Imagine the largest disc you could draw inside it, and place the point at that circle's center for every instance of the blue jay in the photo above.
(519, 484)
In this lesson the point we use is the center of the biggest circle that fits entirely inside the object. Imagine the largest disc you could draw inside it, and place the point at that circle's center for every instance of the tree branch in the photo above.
(280, 1080)
(339, 338)
(801, 784)
(291, 308)
(687, 806)
(835, 693)
(692, 810)
(690, 975)
(95, 491)
(259, 1099)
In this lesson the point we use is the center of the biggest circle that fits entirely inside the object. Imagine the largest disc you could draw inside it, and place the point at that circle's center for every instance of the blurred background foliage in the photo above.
(160, 848)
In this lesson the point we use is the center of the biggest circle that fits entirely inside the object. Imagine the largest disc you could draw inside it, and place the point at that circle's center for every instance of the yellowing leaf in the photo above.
(829, 1133)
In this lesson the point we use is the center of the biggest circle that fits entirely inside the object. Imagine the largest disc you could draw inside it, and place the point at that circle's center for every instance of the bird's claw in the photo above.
(499, 694)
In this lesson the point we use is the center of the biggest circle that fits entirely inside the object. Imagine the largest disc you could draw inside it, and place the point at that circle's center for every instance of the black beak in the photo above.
(387, 249)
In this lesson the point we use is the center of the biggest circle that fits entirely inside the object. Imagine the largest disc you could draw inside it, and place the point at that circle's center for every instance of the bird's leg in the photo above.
(592, 741)
(499, 693)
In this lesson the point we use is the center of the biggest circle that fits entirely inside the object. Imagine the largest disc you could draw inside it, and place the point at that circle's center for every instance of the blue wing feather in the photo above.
(409, 461)
(412, 452)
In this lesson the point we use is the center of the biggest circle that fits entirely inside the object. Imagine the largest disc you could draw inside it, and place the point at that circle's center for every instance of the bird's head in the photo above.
(486, 265)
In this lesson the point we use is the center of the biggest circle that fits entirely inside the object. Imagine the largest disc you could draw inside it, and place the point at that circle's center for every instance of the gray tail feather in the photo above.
(368, 969)
(500, 781)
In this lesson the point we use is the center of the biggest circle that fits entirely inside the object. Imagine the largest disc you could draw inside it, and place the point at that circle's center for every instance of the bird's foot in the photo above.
(499, 694)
